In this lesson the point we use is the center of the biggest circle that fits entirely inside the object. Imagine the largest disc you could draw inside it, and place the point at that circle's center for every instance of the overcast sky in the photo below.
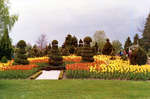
(56, 18)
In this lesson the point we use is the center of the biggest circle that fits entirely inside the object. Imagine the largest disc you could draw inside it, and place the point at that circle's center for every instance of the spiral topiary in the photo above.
(21, 57)
(55, 57)
(138, 57)
(87, 52)
(87, 40)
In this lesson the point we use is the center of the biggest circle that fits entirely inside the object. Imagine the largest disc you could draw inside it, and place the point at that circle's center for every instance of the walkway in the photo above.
(49, 75)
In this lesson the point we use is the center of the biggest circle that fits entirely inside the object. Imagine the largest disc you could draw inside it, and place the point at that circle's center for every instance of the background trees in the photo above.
(136, 39)
(128, 43)
(42, 41)
(100, 38)
(145, 40)
(7, 21)
(117, 46)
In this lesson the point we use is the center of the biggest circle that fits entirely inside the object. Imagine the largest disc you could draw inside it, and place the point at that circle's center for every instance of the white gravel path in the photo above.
(49, 75)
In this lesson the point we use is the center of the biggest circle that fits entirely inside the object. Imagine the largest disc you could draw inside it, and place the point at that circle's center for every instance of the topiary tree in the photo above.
(136, 39)
(55, 57)
(138, 57)
(79, 49)
(145, 40)
(21, 57)
(96, 48)
(6, 48)
(87, 52)
(108, 48)
(47, 49)
(64, 51)
(80, 43)
(35, 52)
(127, 44)
(71, 43)
(4, 59)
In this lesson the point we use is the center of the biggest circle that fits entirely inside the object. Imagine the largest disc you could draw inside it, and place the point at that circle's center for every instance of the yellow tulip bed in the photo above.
(105, 68)
(72, 58)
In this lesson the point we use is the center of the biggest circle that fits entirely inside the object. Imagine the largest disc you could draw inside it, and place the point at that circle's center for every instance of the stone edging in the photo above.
(61, 74)
(34, 76)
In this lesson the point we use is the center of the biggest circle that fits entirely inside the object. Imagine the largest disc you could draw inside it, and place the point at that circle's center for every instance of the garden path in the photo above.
(49, 75)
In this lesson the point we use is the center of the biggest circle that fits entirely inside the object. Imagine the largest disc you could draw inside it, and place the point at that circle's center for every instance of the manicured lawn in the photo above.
(74, 89)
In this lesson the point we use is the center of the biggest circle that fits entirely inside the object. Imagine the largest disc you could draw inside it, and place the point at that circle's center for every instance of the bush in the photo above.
(108, 48)
(17, 74)
(55, 57)
(4, 59)
(65, 51)
(6, 48)
(21, 57)
(87, 52)
(138, 57)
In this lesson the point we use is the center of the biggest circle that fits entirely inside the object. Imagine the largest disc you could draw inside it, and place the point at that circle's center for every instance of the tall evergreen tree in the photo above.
(128, 43)
(145, 41)
(6, 48)
(146, 33)
(136, 39)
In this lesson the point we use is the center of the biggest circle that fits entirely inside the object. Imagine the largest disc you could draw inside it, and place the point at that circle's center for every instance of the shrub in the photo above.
(138, 57)
(6, 48)
(55, 57)
(21, 57)
(64, 51)
(87, 52)
(107, 50)
(17, 74)
(79, 49)
(4, 59)
(95, 47)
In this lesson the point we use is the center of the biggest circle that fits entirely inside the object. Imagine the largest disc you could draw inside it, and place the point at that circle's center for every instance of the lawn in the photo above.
(74, 89)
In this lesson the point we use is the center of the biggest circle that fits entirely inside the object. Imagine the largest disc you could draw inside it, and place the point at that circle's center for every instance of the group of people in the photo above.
(126, 53)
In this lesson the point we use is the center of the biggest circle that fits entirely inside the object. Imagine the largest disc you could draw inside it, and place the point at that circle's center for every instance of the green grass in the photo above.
(74, 89)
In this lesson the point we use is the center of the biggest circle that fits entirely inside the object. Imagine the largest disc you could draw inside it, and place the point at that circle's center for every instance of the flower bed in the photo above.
(105, 68)
(72, 58)
(38, 60)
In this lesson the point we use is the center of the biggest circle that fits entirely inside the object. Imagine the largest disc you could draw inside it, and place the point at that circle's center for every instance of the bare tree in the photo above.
(42, 41)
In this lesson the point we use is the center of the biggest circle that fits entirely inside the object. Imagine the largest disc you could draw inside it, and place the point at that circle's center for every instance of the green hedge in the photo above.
(17, 74)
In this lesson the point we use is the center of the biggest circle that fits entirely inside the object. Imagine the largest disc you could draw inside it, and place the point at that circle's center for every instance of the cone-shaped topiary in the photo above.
(87, 52)
(21, 57)
(96, 48)
(108, 48)
(80, 43)
(138, 57)
(55, 57)
(6, 48)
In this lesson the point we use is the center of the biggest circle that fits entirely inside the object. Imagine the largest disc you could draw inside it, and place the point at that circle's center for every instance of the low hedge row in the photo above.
(17, 74)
